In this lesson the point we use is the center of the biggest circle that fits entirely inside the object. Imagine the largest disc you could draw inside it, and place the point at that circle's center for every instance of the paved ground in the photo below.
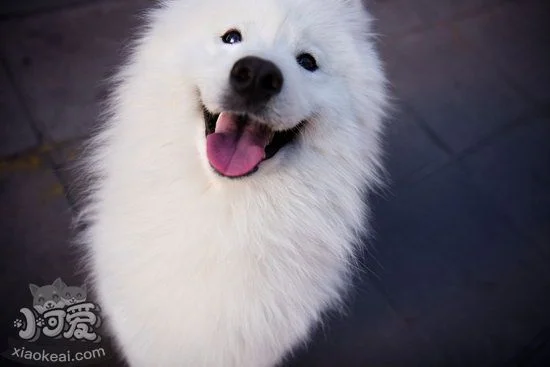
(458, 273)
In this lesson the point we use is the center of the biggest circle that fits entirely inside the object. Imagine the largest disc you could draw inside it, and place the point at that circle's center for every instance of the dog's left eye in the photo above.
(307, 61)
(232, 36)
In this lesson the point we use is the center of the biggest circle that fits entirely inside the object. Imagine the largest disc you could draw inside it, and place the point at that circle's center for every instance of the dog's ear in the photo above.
(59, 284)
(34, 288)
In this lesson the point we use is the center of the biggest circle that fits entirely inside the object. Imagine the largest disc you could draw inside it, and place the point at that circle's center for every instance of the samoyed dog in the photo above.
(231, 177)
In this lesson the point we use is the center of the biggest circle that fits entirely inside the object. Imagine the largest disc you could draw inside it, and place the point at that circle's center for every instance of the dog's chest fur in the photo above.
(244, 272)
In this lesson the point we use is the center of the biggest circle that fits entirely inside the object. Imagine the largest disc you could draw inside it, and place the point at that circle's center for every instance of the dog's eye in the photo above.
(307, 61)
(232, 36)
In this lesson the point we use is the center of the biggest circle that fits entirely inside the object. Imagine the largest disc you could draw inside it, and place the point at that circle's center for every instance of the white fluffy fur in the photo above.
(193, 269)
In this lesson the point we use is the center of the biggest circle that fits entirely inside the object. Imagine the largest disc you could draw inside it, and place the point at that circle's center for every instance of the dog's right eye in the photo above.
(232, 36)
(307, 61)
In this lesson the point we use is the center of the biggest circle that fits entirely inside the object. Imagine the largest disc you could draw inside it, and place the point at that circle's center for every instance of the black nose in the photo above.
(256, 80)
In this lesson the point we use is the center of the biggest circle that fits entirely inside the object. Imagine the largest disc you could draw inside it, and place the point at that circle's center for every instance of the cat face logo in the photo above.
(59, 310)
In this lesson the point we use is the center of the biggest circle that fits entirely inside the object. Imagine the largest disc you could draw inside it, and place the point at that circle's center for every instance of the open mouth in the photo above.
(236, 143)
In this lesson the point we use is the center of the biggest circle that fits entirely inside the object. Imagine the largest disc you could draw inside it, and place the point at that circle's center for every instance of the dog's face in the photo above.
(272, 77)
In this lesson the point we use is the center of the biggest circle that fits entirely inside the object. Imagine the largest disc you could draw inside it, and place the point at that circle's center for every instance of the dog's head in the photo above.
(271, 79)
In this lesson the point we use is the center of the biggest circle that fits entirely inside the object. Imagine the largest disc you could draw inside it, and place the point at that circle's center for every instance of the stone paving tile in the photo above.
(60, 59)
(515, 37)
(536, 353)
(540, 357)
(35, 219)
(515, 171)
(34, 230)
(371, 333)
(410, 153)
(16, 133)
(393, 16)
(17, 7)
(66, 158)
(459, 272)
(400, 16)
(433, 12)
(457, 94)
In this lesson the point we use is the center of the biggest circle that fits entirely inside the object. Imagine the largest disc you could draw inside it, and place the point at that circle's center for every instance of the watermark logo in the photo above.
(60, 327)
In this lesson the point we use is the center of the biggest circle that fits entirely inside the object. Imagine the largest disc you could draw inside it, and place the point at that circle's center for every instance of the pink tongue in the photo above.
(235, 152)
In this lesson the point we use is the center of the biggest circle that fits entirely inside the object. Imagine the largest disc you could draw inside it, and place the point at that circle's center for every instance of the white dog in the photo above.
(240, 142)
